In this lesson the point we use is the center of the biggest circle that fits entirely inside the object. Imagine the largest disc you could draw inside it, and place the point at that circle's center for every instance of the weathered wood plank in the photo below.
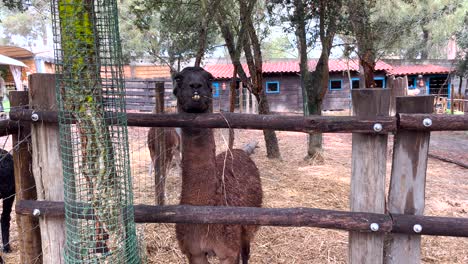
(160, 160)
(408, 180)
(398, 87)
(325, 124)
(311, 217)
(47, 164)
(232, 215)
(25, 186)
(8, 127)
(369, 156)
(438, 122)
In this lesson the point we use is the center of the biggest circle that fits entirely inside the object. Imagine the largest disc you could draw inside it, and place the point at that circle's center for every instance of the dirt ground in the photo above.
(293, 182)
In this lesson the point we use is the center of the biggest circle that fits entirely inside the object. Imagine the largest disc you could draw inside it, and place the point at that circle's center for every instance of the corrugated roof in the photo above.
(419, 69)
(224, 71)
(15, 52)
(147, 71)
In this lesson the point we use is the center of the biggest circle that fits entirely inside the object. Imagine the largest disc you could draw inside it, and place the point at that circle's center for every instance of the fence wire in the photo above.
(99, 219)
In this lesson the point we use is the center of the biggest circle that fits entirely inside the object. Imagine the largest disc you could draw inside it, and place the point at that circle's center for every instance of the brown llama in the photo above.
(228, 179)
(172, 146)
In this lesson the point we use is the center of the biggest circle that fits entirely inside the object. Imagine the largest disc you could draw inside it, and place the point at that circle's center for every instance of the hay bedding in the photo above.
(294, 182)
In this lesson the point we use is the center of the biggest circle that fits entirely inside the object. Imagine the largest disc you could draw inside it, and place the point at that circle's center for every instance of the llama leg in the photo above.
(245, 253)
(229, 260)
(198, 259)
(5, 222)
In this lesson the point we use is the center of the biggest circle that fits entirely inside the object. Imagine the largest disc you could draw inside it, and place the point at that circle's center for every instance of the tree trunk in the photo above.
(360, 20)
(208, 8)
(271, 141)
(254, 61)
(315, 84)
(367, 62)
(460, 86)
(232, 104)
(302, 47)
(425, 41)
(466, 102)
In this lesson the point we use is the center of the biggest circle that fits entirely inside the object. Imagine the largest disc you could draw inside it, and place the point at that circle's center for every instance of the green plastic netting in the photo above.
(99, 219)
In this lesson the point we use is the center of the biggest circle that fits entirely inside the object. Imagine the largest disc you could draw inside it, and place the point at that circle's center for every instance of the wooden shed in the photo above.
(283, 86)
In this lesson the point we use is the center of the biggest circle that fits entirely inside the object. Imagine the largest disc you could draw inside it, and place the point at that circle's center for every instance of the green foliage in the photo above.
(462, 39)
(18, 5)
(171, 27)
(417, 28)
(24, 24)
(278, 48)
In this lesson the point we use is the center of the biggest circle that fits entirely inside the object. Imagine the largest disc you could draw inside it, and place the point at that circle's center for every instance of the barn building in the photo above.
(283, 87)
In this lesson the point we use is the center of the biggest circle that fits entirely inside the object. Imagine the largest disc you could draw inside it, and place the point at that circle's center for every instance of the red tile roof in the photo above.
(224, 71)
(419, 69)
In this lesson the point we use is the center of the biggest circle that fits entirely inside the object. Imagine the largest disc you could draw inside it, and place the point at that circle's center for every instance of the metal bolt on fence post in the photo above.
(378, 127)
(427, 122)
(417, 228)
(34, 117)
(374, 227)
(36, 212)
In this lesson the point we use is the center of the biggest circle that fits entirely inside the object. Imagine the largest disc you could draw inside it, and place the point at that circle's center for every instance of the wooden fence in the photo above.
(140, 94)
(368, 221)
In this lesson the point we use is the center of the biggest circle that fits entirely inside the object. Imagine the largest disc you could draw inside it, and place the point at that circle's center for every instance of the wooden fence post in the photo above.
(398, 87)
(29, 233)
(47, 165)
(408, 180)
(160, 137)
(369, 156)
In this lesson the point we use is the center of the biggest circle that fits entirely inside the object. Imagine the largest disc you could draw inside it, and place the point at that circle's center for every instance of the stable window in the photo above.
(215, 90)
(411, 83)
(272, 87)
(355, 83)
(336, 85)
(379, 82)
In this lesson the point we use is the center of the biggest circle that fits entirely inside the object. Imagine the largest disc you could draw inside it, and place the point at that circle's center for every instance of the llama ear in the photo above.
(210, 77)
(178, 77)
(178, 81)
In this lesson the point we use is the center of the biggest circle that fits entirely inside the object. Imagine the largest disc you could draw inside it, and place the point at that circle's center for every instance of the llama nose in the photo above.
(196, 85)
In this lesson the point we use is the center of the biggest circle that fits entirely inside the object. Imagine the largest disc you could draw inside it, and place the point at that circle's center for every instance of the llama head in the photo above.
(193, 90)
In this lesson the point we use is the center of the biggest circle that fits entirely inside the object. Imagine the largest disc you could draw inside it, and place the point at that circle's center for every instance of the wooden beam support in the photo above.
(324, 124)
(8, 127)
(369, 160)
(310, 217)
(408, 180)
(438, 122)
(28, 226)
(47, 164)
(159, 165)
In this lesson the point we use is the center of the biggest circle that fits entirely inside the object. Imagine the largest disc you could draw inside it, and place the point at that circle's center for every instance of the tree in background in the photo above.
(324, 17)
(24, 24)
(414, 29)
(462, 66)
(359, 13)
(238, 29)
(177, 31)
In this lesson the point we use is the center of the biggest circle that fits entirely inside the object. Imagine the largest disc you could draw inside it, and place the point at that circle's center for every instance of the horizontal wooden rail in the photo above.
(326, 124)
(8, 127)
(310, 217)
(329, 124)
(436, 123)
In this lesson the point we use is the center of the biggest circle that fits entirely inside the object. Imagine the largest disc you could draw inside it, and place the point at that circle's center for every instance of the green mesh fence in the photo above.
(94, 142)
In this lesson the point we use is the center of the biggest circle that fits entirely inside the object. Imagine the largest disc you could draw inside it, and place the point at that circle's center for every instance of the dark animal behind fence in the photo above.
(228, 179)
(172, 146)
(7, 193)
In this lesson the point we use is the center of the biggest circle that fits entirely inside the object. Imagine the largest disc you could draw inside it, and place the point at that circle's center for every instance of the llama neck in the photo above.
(198, 166)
